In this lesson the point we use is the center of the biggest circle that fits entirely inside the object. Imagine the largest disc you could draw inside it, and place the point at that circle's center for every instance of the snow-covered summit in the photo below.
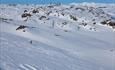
(78, 14)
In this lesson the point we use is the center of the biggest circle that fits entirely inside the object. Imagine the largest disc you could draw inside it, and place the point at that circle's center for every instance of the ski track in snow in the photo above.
(27, 67)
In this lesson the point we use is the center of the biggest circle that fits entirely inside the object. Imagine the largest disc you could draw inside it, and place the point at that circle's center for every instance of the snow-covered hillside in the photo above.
(57, 37)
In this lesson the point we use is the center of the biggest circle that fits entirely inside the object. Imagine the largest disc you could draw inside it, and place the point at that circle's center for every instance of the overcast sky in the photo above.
(54, 1)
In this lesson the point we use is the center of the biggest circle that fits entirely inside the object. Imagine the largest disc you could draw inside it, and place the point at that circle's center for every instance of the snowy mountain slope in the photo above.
(57, 37)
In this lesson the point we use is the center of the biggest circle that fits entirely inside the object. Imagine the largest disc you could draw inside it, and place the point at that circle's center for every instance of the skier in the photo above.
(31, 42)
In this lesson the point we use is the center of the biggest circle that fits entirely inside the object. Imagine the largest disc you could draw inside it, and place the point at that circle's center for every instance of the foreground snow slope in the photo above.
(57, 41)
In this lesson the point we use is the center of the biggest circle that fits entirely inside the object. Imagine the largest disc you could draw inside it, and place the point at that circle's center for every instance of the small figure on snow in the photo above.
(31, 42)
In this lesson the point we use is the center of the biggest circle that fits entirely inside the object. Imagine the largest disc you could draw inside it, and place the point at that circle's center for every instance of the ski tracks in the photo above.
(27, 67)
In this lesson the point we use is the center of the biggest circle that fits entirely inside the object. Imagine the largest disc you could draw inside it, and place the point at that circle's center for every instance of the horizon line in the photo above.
(60, 3)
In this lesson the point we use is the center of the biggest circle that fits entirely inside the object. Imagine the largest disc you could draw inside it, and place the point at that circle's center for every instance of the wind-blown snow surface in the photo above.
(50, 44)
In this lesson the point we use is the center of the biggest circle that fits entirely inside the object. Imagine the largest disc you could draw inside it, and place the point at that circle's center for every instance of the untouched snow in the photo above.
(57, 42)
